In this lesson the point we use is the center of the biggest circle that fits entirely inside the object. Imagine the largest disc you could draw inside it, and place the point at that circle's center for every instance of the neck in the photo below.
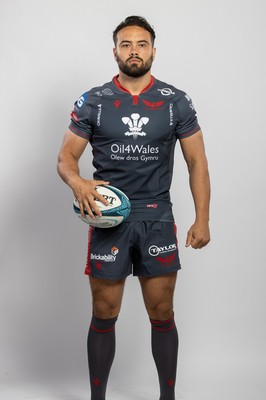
(134, 85)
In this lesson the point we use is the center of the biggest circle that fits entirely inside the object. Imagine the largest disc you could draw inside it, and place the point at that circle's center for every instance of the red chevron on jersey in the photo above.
(153, 105)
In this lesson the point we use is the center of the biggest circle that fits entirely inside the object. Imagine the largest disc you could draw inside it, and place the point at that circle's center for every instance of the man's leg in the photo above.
(107, 297)
(158, 297)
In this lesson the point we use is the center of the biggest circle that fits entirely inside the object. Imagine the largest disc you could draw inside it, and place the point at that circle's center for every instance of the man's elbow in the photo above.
(195, 164)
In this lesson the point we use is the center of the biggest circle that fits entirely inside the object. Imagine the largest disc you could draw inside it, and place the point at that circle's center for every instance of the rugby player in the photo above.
(132, 124)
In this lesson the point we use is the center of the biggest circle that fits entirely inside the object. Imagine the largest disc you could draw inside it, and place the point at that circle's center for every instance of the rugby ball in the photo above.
(114, 214)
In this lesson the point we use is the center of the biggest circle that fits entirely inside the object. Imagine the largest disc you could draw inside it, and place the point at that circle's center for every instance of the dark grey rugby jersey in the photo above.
(133, 137)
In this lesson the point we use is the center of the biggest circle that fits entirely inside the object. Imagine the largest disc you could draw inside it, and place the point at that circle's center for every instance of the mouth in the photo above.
(134, 60)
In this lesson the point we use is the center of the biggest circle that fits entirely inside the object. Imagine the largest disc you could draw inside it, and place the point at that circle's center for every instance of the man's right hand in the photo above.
(84, 190)
(86, 194)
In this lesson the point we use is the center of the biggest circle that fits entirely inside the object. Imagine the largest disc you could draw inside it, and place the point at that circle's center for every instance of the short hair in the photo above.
(134, 20)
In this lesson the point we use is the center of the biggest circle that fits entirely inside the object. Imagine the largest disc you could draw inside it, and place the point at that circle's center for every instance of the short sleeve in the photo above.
(187, 123)
(80, 118)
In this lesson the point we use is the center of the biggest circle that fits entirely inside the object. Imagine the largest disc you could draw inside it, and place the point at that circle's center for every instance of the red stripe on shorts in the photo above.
(175, 229)
(88, 264)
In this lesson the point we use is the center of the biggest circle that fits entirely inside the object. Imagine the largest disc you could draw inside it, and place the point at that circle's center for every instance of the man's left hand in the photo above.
(198, 235)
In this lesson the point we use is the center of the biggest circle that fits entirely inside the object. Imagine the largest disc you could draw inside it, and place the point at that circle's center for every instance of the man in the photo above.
(132, 124)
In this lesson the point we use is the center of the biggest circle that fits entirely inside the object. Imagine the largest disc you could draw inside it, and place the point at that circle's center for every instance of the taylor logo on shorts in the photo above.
(156, 250)
(106, 257)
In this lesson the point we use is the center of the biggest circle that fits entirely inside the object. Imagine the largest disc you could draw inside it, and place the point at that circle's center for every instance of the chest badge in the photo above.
(135, 123)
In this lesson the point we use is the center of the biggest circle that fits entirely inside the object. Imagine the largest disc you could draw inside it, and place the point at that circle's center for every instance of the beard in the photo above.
(134, 70)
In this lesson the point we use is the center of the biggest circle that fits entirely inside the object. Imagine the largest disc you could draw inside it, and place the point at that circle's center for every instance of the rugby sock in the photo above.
(101, 351)
(165, 350)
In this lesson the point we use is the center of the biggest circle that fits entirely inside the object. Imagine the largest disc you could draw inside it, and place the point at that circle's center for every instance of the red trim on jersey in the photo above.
(190, 133)
(88, 264)
(135, 100)
(149, 85)
(78, 132)
(117, 83)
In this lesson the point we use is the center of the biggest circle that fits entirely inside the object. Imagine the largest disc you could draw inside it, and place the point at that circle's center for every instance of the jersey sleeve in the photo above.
(187, 123)
(80, 118)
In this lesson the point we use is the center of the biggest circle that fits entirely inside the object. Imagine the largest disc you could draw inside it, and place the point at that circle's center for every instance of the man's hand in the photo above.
(198, 235)
(85, 192)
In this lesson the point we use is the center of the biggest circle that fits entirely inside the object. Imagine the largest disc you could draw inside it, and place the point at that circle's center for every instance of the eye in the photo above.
(125, 45)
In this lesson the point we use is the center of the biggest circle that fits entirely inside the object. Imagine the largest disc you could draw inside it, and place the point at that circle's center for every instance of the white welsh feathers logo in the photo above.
(135, 123)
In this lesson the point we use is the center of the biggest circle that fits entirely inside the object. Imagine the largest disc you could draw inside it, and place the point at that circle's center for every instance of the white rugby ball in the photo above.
(114, 214)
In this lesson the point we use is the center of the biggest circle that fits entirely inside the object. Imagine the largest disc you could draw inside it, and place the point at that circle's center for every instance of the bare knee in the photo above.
(105, 309)
(160, 311)
(158, 293)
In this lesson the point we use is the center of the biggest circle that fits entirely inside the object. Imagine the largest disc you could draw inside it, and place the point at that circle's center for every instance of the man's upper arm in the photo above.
(73, 145)
(193, 148)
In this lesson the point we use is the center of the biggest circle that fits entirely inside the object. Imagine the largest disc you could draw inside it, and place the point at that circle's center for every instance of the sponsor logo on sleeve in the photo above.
(106, 92)
(99, 113)
(80, 101)
(166, 91)
(191, 105)
(171, 114)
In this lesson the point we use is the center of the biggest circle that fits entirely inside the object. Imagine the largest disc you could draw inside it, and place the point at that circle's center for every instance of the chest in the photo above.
(133, 117)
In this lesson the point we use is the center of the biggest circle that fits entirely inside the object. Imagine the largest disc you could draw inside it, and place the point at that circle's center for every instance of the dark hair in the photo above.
(134, 20)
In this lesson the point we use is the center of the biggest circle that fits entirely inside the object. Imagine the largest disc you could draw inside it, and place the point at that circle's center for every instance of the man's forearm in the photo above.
(200, 188)
(68, 169)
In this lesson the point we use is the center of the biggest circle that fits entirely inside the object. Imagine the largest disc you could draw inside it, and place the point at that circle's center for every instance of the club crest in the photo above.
(135, 124)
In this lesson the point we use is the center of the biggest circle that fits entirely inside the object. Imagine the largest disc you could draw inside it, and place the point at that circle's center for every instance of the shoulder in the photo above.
(179, 97)
(168, 90)
(94, 93)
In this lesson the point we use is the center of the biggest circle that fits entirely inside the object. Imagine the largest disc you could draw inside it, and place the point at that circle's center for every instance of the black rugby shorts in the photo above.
(145, 248)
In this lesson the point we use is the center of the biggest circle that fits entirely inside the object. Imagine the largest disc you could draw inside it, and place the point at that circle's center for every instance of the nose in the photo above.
(133, 51)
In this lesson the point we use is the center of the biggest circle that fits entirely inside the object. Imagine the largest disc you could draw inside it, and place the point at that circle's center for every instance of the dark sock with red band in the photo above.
(101, 351)
(164, 349)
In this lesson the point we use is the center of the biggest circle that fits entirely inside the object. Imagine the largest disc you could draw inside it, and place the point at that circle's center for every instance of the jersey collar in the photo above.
(119, 86)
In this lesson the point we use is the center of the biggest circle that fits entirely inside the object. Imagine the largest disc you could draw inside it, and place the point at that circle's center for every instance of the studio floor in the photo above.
(76, 391)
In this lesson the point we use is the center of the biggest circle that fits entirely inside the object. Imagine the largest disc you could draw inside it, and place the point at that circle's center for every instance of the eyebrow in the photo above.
(130, 41)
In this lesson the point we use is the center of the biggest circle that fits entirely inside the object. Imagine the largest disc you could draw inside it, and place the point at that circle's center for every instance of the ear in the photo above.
(153, 53)
(115, 53)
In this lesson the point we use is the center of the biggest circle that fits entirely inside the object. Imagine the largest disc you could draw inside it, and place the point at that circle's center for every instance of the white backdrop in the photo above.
(51, 52)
